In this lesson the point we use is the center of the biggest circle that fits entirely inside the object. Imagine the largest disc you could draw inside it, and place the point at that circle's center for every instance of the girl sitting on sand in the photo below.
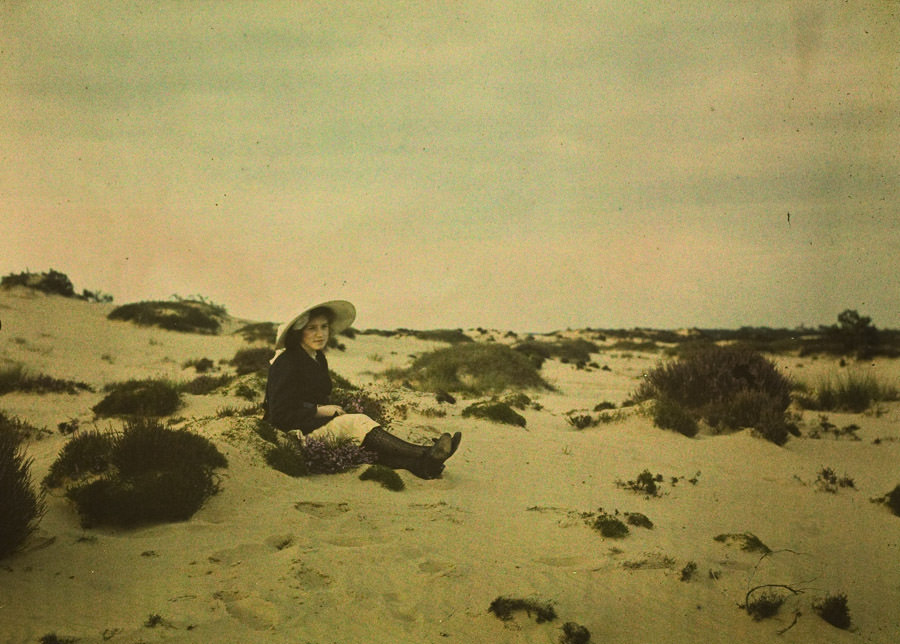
(299, 385)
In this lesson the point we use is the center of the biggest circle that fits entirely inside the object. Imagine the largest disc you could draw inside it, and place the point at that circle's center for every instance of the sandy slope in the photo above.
(334, 559)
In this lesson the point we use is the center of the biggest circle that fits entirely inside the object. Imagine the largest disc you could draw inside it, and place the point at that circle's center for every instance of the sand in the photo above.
(334, 559)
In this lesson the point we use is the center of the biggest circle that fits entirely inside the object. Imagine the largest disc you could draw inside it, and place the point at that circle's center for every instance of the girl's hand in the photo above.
(329, 411)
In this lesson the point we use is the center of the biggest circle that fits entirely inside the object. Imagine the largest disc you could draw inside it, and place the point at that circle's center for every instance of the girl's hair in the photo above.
(293, 337)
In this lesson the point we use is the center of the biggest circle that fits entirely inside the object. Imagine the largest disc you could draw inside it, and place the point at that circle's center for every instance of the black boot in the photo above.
(426, 462)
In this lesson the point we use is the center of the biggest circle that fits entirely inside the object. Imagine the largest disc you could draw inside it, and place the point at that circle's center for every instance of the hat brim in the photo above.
(344, 315)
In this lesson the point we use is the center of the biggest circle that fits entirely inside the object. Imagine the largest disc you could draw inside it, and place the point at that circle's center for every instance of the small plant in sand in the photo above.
(645, 483)
(496, 411)
(327, 454)
(150, 474)
(851, 391)
(688, 572)
(21, 507)
(609, 525)
(729, 387)
(184, 315)
(230, 411)
(253, 360)
(834, 610)
(450, 336)
(17, 378)
(139, 398)
(259, 332)
(746, 541)
(384, 475)
(639, 520)
(471, 367)
(53, 638)
(505, 607)
(765, 604)
(829, 481)
(574, 633)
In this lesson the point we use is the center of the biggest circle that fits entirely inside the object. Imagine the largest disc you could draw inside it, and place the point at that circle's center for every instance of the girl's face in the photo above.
(315, 334)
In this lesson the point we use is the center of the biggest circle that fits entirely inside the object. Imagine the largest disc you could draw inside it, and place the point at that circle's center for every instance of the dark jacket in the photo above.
(296, 384)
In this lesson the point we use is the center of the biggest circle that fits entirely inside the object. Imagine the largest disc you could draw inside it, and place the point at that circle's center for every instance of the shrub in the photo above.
(574, 633)
(747, 541)
(852, 391)
(52, 282)
(451, 336)
(576, 351)
(202, 385)
(83, 455)
(20, 506)
(384, 475)
(474, 368)
(639, 520)
(828, 481)
(200, 365)
(186, 316)
(893, 500)
(152, 474)
(359, 401)
(730, 387)
(610, 526)
(254, 360)
(259, 332)
(496, 411)
(16, 378)
(668, 414)
(764, 605)
(287, 460)
(19, 428)
(834, 610)
(504, 607)
(645, 483)
(139, 398)
(328, 454)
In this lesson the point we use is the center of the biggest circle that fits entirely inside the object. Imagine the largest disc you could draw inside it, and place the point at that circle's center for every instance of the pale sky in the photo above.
(515, 165)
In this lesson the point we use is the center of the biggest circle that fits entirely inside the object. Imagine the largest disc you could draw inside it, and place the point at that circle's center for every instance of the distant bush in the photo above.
(252, 360)
(574, 633)
(644, 346)
(575, 351)
(852, 391)
(729, 387)
(150, 474)
(202, 385)
(259, 332)
(610, 526)
(52, 282)
(475, 368)
(834, 610)
(451, 336)
(644, 483)
(20, 506)
(17, 378)
(186, 316)
(494, 410)
(139, 398)
(828, 481)
(854, 334)
(747, 541)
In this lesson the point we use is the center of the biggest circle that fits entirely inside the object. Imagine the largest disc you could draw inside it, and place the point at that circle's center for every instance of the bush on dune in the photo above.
(20, 506)
(575, 351)
(853, 391)
(146, 474)
(496, 411)
(730, 387)
(17, 378)
(254, 360)
(474, 367)
(187, 316)
(259, 332)
(140, 398)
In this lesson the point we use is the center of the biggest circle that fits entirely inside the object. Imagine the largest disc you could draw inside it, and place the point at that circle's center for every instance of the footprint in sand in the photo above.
(322, 510)
(251, 610)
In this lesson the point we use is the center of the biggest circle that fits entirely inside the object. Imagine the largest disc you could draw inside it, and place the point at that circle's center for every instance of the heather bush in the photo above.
(668, 414)
(327, 454)
(355, 400)
(21, 507)
(574, 633)
(610, 526)
(186, 316)
(139, 398)
(148, 474)
(729, 387)
(450, 336)
(473, 367)
(496, 411)
(254, 360)
(16, 378)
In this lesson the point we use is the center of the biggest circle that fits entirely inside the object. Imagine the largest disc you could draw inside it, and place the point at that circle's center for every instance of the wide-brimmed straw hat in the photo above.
(344, 314)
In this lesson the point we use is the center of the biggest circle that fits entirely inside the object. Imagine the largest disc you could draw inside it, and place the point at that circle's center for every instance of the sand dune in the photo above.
(334, 559)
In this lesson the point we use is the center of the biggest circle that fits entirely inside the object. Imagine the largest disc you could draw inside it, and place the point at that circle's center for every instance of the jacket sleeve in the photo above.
(286, 408)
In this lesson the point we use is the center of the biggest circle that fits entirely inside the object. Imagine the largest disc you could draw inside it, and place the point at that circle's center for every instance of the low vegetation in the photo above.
(505, 607)
(203, 385)
(140, 398)
(21, 506)
(17, 378)
(255, 360)
(575, 351)
(317, 455)
(52, 282)
(496, 411)
(356, 400)
(184, 315)
(765, 604)
(259, 332)
(145, 474)
(851, 391)
(474, 368)
(386, 476)
(834, 610)
(727, 387)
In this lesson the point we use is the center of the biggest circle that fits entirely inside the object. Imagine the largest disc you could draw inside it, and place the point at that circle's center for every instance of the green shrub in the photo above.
(764, 605)
(83, 455)
(52, 282)
(639, 520)
(20, 506)
(668, 414)
(186, 316)
(575, 351)
(474, 368)
(259, 332)
(451, 336)
(747, 541)
(834, 610)
(327, 454)
(287, 460)
(730, 387)
(151, 474)
(16, 378)
(384, 475)
(610, 526)
(852, 391)
(355, 400)
(139, 398)
(496, 411)
(645, 483)
(504, 607)
(255, 360)
(574, 633)
(203, 385)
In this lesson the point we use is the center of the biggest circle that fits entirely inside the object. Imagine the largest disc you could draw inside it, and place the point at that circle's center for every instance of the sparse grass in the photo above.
(504, 607)
(384, 475)
(230, 411)
(253, 360)
(203, 385)
(645, 483)
(259, 332)
(730, 387)
(151, 474)
(474, 368)
(828, 481)
(21, 507)
(496, 411)
(22, 429)
(17, 378)
(186, 316)
(852, 391)
(834, 610)
(140, 398)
